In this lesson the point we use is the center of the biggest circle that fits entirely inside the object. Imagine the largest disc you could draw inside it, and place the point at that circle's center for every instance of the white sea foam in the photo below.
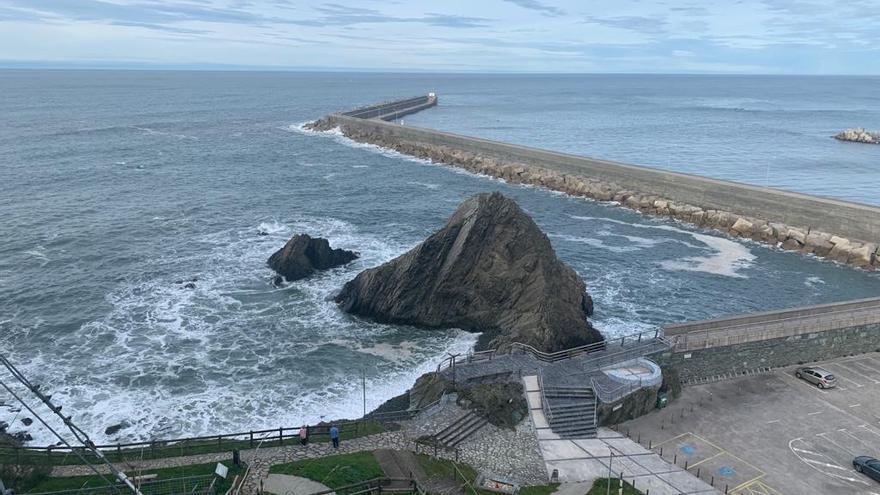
(426, 185)
(813, 282)
(224, 355)
(728, 258)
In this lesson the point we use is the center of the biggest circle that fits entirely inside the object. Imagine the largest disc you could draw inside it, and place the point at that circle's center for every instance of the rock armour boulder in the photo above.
(489, 269)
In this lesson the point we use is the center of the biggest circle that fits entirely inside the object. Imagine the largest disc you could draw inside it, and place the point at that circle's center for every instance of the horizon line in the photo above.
(160, 67)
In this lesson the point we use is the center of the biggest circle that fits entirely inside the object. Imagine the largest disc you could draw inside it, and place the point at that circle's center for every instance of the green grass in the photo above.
(77, 482)
(160, 450)
(539, 489)
(439, 468)
(600, 487)
(334, 471)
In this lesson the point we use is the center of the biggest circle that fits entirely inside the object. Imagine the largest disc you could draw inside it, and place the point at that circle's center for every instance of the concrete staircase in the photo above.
(460, 430)
(570, 411)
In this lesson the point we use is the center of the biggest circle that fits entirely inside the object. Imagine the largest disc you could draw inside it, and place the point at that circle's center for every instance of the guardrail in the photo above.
(545, 404)
(375, 485)
(635, 340)
(779, 328)
(191, 485)
(609, 395)
(156, 449)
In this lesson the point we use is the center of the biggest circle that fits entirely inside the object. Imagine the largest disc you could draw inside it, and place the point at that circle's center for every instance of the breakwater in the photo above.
(841, 231)
(735, 345)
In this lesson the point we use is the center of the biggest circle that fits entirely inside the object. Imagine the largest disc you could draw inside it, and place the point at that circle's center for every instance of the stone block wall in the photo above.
(698, 364)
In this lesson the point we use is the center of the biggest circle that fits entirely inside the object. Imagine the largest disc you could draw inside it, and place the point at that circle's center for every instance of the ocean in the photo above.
(118, 188)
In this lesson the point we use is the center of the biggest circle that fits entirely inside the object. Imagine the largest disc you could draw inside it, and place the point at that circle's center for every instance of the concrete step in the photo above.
(564, 407)
(460, 430)
(573, 427)
(572, 414)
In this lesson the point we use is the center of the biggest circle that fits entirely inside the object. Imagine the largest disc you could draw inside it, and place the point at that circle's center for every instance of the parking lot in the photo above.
(773, 433)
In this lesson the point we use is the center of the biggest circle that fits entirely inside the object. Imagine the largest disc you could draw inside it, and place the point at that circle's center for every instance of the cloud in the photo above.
(334, 14)
(537, 6)
(532, 35)
(646, 25)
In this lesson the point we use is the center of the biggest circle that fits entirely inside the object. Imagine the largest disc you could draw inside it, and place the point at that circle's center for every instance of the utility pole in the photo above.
(608, 484)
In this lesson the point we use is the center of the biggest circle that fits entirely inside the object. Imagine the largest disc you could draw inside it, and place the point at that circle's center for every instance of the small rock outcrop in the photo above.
(490, 269)
(859, 135)
(321, 125)
(303, 255)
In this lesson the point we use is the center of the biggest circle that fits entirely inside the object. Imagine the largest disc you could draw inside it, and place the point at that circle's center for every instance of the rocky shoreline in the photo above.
(855, 252)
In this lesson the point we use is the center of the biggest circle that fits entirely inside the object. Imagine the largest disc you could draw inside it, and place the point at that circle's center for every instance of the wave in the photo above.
(231, 352)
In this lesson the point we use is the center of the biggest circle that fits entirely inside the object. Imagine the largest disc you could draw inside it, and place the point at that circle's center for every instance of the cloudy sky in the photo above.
(668, 36)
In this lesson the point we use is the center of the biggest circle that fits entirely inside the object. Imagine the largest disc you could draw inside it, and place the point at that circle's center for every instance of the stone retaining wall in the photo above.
(696, 364)
(836, 230)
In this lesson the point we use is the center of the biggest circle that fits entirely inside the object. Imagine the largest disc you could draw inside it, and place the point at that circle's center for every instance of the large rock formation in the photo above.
(489, 269)
(303, 255)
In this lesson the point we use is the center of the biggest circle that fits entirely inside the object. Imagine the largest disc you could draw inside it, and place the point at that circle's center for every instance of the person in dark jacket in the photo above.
(334, 436)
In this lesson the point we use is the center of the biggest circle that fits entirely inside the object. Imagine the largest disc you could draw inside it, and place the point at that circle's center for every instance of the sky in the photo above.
(577, 36)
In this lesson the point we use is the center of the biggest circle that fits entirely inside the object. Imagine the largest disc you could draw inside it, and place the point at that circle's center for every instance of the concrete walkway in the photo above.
(285, 484)
(611, 454)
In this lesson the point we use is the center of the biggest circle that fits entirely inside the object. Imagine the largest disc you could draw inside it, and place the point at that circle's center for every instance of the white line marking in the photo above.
(857, 439)
(814, 465)
(774, 421)
(861, 374)
(814, 413)
(870, 429)
(854, 405)
(865, 365)
(857, 384)
(820, 463)
(841, 447)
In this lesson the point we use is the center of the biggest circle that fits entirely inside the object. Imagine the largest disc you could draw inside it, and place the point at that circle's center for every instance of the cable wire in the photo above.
(79, 434)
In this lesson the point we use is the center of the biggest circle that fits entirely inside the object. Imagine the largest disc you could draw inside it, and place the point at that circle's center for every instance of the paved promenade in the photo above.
(610, 454)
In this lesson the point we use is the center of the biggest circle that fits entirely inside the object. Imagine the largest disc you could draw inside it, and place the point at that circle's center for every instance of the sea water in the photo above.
(117, 189)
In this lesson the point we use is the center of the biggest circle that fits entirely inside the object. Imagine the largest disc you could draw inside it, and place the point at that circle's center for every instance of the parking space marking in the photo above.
(676, 437)
(818, 464)
(706, 459)
(861, 362)
(757, 487)
(860, 373)
(870, 429)
(857, 439)
(841, 447)
(855, 383)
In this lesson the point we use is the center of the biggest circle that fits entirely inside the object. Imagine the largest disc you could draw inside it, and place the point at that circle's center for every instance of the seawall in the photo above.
(842, 231)
(741, 344)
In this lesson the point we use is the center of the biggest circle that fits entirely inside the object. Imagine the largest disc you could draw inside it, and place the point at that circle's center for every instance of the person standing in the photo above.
(334, 436)
(304, 435)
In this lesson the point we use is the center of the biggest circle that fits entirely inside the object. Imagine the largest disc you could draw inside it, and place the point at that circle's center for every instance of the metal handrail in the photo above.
(344, 426)
(545, 404)
(607, 396)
